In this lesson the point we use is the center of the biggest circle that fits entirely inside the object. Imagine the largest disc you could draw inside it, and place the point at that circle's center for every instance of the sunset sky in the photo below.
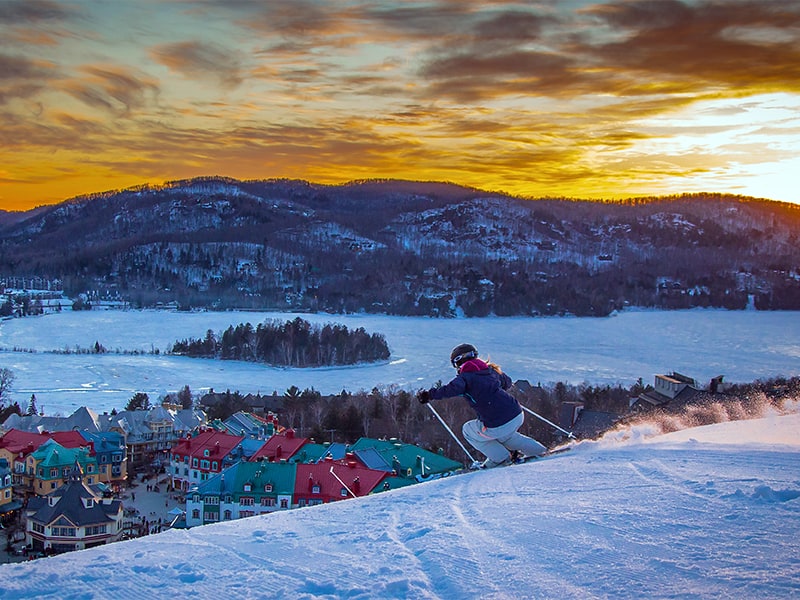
(575, 98)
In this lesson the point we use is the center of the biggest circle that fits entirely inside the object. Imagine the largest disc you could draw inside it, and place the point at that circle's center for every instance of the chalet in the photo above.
(672, 388)
(51, 465)
(109, 450)
(242, 490)
(73, 517)
(16, 446)
(249, 425)
(195, 459)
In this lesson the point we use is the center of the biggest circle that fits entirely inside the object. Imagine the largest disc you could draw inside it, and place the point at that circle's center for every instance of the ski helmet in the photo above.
(462, 353)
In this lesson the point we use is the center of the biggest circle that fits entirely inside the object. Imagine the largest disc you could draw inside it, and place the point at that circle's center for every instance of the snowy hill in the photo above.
(712, 512)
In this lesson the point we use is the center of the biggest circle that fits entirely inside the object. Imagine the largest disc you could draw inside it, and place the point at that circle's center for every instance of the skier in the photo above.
(494, 433)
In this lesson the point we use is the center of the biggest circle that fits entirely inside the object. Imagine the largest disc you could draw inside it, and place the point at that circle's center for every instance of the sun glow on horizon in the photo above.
(582, 99)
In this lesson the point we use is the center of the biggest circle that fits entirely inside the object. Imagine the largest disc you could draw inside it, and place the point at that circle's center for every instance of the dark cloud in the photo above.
(25, 12)
(111, 88)
(20, 67)
(198, 60)
(667, 40)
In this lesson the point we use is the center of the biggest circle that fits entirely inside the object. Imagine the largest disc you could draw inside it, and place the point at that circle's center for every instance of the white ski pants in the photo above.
(496, 442)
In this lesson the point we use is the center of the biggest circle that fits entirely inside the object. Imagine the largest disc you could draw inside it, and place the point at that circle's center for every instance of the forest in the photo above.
(295, 343)
(406, 248)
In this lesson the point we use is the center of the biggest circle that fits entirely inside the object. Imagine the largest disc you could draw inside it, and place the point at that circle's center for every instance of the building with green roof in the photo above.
(50, 466)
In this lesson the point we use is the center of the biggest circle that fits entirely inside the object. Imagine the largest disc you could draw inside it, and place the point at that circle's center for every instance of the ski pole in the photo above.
(570, 435)
(450, 431)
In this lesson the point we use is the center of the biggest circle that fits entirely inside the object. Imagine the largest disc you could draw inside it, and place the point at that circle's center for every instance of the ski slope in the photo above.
(711, 512)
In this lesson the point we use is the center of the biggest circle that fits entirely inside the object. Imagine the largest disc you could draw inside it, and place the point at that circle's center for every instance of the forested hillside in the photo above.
(407, 248)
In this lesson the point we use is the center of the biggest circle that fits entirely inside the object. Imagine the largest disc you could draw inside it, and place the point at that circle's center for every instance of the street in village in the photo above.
(149, 508)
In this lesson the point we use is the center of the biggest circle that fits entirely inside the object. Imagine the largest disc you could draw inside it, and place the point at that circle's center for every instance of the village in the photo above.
(69, 483)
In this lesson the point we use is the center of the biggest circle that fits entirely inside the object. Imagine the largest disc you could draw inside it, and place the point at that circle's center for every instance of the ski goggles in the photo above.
(457, 360)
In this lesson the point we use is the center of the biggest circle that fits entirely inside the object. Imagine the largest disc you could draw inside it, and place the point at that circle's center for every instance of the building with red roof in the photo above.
(281, 446)
(331, 480)
(16, 445)
(195, 459)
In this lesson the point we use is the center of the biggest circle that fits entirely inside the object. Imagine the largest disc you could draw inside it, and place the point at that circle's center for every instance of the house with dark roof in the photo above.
(73, 517)
(668, 389)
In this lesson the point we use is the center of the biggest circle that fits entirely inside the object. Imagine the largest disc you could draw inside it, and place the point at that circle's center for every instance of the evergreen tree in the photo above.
(185, 397)
(32, 406)
(140, 401)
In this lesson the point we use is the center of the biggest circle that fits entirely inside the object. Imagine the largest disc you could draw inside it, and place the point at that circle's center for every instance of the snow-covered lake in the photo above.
(741, 345)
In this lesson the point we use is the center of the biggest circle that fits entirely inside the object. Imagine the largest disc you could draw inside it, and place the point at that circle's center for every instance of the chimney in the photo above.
(310, 482)
(356, 485)
(289, 434)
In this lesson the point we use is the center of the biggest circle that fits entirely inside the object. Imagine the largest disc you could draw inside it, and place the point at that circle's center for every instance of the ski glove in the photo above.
(423, 396)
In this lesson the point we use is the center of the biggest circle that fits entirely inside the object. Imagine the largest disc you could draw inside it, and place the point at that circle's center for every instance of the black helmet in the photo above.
(462, 353)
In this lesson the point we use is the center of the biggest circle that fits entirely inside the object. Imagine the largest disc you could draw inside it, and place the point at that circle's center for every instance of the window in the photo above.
(246, 513)
(37, 527)
(268, 487)
(247, 487)
(205, 452)
(204, 464)
(213, 500)
(228, 499)
(315, 489)
(53, 472)
(194, 462)
(268, 502)
(210, 516)
(284, 503)
(343, 493)
(63, 531)
(96, 530)
(246, 501)
(195, 513)
(196, 498)
(215, 466)
(227, 515)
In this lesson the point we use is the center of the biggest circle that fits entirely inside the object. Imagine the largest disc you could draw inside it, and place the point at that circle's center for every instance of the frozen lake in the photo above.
(741, 345)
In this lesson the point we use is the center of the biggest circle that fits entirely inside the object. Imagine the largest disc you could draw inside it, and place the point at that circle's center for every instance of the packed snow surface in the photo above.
(741, 345)
(712, 512)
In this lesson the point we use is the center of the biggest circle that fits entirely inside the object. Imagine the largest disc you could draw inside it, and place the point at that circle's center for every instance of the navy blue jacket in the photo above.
(485, 390)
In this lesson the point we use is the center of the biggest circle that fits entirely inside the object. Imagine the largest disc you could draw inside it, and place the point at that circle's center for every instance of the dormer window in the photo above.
(268, 487)
(89, 502)
(315, 489)
(247, 487)
(344, 493)
(206, 452)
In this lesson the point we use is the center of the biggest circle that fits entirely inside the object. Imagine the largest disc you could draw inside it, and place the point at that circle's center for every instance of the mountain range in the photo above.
(404, 247)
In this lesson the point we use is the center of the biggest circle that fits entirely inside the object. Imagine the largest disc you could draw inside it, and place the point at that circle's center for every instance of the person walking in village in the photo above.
(495, 432)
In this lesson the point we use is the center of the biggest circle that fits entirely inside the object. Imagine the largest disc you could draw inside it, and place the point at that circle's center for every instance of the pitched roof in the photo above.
(24, 442)
(70, 506)
(329, 476)
(406, 459)
(218, 443)
(281, 446)
(258, 474)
